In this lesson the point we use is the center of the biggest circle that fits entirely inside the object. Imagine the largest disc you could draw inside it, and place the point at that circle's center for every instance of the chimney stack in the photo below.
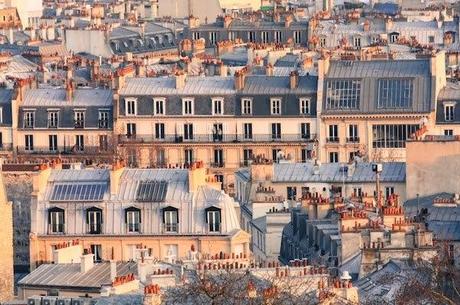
(293, 80)
(180, 80)
(69, 91)
(269, 70)
(86, 263)
(288, 21)
(240, 77)
(113, 270)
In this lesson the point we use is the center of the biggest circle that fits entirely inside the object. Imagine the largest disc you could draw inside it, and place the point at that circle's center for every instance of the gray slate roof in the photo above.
(331, 172)
(379, 68)
(69, 275)
(57, 97)
(276, 85)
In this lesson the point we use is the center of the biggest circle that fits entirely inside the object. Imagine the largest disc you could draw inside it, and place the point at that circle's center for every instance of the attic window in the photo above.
(78, 192)
(151, 191)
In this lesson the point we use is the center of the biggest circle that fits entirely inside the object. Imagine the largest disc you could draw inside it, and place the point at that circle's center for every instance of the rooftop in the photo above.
(57, 97)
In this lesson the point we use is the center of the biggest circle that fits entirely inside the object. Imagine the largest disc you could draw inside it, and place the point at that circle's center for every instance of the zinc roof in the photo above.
(379, 68)
(69, 275)
(273, 85)
(57, 97)
(332, 172)
(194, 85)
(450, 92)
(5, 96)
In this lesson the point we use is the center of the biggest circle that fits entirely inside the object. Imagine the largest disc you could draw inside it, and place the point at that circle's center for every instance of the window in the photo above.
(53, 119)
(196, 35)
(103, 142)
(297, 37)
(1, 140)
(357, 192)
(353, 133)
(392, 136)
(276, 131)
(343, 94)
(448, 132)
(276, 154)
(158, 106)
(275, 106)
(131, 130)
(159, 131)
(220, 178)
(217, 132)
(430, 39)
(357, 42)
(29, 142)
(55, 220)
(79, 142)
(232, 36)
(247, 129)
(264, 37)
(79, 119)
(246, 106)
(161, 156)
(449, 112)
(252, 36)
(389, 190)
(133, 220)
(217, 107)
(395, 93)
(305, 130)
(333, 157)
(304, 105)
(53, 145)
(212, 38)
(213, 219)
(103, 119)
(291, 192)
(394, 37)
(187, 107)
(1, 115)
(29, 119)
(94, 220)
(170, 219)
(333, 133)
(188, 156)
(130, 107)
(322, 42)
(188, 131)
(352, 155)
(247, 156)
(97, 251)
(277, 37)
(305, 155)
(218, 158)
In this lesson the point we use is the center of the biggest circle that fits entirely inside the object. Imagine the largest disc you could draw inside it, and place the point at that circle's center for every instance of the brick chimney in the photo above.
(240, 78)
(293, 80)
(69, 90)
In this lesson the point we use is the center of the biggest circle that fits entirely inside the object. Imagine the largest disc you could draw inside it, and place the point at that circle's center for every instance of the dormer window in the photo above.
(53, 119)
(133, 220)
(187, 107)
(130, 107)
(171, 220)
(213, 219)
(275, 106)
(304, 105)
(449, 112)
(79, 119)
(159, 106)
(29, 119)
(55, 221)
(217, 106)
(246, 106)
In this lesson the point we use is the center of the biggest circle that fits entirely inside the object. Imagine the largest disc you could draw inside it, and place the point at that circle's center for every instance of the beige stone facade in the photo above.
(6, 246)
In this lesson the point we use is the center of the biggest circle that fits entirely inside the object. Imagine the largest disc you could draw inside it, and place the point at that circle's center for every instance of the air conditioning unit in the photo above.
(34, 301)
(49, 300)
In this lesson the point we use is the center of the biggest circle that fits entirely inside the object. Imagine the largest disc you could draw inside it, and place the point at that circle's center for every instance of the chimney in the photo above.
(69, 91)
(269, 70)
(240, 77)
(196, 176)
(86, 263)
(367, 26)
(293, 80)
(113, 270)
(288, 21)
(180, 80)
(223, 70)
(388, 24)
(227, 21)
(115, 174)
(11, 36)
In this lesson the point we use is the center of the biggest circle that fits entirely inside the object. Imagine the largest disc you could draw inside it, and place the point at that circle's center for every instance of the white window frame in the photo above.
(50, 113)
(264, 37)
(322, 42)
(243, 107)
(304, 103)
(297, 35)
(80, 142)
(214, 221)
(276, 106)
(29, 116)
(449, 116)
(192, 106)
(277, 36)
(156, 108)
(214, 102)
(357, 41)
(131, 221)
(127, 101)
(1, 115)
(55, 144)
(29, 139)
(81, 113)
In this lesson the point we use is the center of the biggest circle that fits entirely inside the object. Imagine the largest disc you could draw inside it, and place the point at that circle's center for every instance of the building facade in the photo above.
(117, 212)
(6, 246)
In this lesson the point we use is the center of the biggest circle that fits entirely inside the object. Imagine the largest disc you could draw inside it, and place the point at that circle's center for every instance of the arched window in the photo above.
(56, 220)
(213, 219)
(133, 220)
(94, 220)
(171, 220)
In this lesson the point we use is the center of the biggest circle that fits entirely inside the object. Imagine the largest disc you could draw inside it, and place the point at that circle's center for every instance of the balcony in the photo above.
(55, 228)
(133, 228)
(79, 124)
(353, 140)
(225, 138)
(333, 140)
(71, 150)
(94, 228)
(6, 147)
(170, 227)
